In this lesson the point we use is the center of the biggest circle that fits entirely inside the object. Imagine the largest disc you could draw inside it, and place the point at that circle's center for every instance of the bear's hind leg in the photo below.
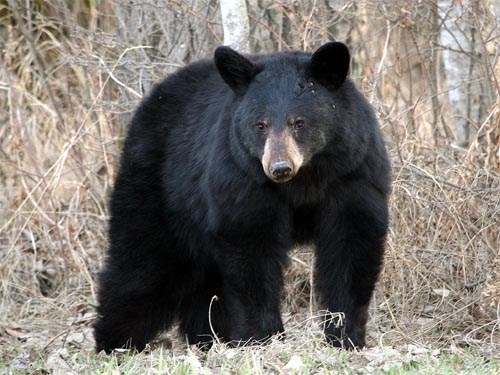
(130, 314)
(129, 329)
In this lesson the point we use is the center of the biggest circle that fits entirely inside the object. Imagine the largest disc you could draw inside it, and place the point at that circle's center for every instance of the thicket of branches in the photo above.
(72, 72)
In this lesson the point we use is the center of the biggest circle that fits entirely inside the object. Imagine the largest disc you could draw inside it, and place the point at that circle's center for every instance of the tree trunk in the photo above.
(235, 23)
(468, 97)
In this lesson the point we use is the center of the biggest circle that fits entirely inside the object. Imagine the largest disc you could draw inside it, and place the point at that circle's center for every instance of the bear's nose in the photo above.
(281, 170)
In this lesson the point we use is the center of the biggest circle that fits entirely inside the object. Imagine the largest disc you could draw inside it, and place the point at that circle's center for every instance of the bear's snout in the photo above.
(282, 157)
(281, 171)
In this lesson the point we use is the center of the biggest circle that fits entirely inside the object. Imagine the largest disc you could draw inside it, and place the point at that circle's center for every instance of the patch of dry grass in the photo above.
(70, 77)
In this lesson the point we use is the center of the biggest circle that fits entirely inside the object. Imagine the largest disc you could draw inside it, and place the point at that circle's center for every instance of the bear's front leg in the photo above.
(252, 281)
(349, 254)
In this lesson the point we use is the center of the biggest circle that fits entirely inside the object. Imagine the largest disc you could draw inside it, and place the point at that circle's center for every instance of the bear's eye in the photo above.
(261, 126)
(299, 123)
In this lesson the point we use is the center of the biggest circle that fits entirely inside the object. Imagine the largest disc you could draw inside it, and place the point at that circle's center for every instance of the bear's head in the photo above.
(285, 106)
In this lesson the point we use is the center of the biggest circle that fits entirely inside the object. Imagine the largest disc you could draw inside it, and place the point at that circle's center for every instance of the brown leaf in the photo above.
(14, 332)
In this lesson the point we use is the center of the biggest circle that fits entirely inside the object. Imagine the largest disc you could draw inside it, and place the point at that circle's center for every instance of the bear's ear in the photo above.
(330, 64)
(236, 70)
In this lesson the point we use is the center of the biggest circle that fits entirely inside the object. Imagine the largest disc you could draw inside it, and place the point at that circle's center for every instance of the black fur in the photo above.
(236, 70)
(330, 64)
(193, 215)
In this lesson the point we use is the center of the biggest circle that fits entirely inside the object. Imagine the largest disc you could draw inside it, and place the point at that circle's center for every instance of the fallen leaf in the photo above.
(443, 292)
(14, 332)
(294, 365)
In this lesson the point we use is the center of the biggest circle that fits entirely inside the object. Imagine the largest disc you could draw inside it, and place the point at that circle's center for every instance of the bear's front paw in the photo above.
(258, 334)
(340, 338)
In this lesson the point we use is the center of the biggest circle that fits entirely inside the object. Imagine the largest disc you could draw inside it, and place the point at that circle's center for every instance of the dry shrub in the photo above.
(71, 75)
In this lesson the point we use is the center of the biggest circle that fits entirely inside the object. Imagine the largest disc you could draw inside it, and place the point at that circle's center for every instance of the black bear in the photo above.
(228, 164)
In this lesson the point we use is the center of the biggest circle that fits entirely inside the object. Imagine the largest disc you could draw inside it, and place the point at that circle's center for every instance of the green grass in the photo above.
(276, 358)
(448, 364)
